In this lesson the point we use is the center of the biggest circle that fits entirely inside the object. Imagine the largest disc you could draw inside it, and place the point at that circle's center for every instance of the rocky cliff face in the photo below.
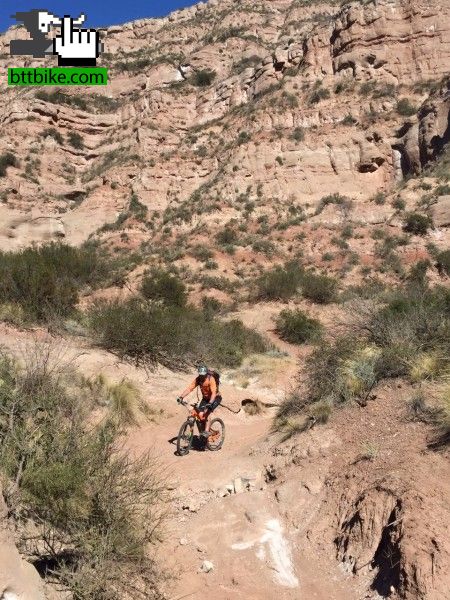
(302, 103)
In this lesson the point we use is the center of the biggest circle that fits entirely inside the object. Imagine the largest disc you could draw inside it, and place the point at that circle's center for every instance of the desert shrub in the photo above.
(45, 281)
(53, 133)
(243, 138)
(443, 262)
(163, 286)
(60, 97)
(7, 159)
(137, 209)
(75, 140)
(349, 120)
(246, 62)
(171, 335)
(417, 275)
(318, 95)
(405, 108)
(399, 204)
(341, 371)
(335, 198)
(266, 247)
(417, 224)
(320, 289)
(201, 253)
(379, 198)
(413, 321)
(203, 78)
(298, 134)
(93, 509)
(407, 335)
(227, 236)
(280, 283)
(296, 327)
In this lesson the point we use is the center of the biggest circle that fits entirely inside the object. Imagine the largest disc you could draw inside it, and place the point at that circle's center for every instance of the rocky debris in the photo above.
(207, 566)
(246, 483)
(441, 212)
(19, 580)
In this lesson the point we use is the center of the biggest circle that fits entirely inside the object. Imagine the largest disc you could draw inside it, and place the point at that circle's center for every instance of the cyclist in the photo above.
(211, 398)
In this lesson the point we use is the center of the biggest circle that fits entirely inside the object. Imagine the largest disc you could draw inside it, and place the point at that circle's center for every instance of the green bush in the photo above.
(170, 335)
(203, 78)
(320, 289)
(52, 132)
(417, 224)
(7, 159)
(318, 95)
(405, 108)
(407, 336)
(75, 140)
(280, 283)
(227, 236)
(45, 281)
(298, 134)
(163, 286)
(296, 327)
(92, 508)
(443, 262)
(59, 97)
(335, 198)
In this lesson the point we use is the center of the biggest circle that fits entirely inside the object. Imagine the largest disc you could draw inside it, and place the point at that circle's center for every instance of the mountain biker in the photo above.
(211, 398)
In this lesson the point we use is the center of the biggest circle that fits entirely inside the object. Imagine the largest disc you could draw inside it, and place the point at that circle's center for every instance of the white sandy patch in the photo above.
(279, 551)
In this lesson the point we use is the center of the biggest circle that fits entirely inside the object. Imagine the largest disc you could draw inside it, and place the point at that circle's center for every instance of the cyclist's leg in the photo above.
(211, 408)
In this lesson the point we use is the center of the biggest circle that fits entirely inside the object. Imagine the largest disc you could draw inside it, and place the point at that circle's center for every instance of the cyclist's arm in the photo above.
(189, 389)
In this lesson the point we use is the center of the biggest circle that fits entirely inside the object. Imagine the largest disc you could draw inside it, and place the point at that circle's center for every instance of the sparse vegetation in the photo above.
(296, 327)
(203, 78)
(75, 140)
(53, 133)
(7, 159)
(405, 108)
(280, 283)
(320, 289)
(93, 508)
(162, 286)
(148, 334)
(417, 223)
(45, 281)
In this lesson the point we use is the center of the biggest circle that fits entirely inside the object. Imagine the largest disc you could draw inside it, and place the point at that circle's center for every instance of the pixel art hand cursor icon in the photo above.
(74, 46)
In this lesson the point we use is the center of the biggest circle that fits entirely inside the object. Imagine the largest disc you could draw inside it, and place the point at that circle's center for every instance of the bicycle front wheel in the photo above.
(185, 438)
(216, 436)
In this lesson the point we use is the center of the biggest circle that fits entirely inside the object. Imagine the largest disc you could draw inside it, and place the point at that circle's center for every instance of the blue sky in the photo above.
(99, 12)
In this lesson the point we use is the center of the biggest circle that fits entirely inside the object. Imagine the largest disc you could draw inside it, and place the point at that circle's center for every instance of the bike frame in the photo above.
(194, 417)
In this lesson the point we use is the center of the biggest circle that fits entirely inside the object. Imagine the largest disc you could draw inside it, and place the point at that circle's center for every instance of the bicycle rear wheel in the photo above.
(216, 436)
(185, 438)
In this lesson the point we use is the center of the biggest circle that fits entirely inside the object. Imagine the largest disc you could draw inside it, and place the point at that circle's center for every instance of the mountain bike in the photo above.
(186, 435)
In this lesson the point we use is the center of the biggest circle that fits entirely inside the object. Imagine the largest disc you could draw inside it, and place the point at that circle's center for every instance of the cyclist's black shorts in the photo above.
(204, 403)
